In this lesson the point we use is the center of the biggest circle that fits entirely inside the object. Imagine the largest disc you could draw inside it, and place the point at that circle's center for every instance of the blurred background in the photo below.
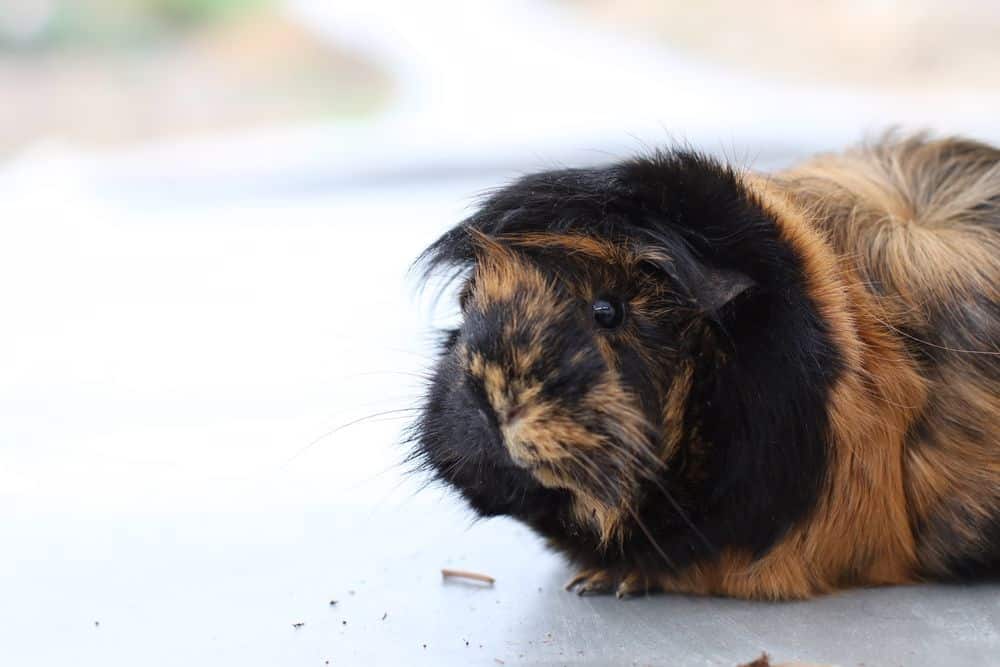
(110, 73)
(210, 342)
(390, 88)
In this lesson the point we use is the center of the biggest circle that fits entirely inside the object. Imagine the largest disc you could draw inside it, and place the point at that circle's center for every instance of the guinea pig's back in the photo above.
(918, 221)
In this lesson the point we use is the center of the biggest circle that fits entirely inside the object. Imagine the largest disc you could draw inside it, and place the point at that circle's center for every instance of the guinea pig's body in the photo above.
(766, 386)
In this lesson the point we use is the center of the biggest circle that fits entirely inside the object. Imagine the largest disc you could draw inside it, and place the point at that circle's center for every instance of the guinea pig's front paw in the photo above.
(593, 581)
(634, 584)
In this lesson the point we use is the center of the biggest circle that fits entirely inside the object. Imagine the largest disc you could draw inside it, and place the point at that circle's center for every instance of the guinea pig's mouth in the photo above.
(530, 447)
(549, 474)
(520, 462)
(531, 466)
(524, 454)
(520, 453)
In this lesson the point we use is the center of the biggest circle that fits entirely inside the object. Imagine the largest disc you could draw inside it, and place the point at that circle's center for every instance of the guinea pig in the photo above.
(689, 377)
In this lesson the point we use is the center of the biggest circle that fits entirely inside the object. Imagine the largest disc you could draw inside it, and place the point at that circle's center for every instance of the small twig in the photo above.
(462, 574)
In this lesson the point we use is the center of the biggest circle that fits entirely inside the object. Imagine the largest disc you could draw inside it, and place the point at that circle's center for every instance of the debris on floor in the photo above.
(765, 661)
(462, 574)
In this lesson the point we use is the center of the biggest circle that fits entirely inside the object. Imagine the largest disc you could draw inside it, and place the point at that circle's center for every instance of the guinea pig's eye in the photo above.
(608, 313)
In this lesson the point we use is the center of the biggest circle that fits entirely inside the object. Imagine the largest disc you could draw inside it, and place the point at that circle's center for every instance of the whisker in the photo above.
(684, 515)
(422, 376)
(652, 540)
(929, 343)
(333, 431)
(651, 476)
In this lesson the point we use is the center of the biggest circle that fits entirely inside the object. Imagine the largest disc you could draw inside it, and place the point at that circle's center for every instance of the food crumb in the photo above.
(463, 574)
(385, 615)
(97, 624)
(333, 603)
(343, 622)
(298, 625)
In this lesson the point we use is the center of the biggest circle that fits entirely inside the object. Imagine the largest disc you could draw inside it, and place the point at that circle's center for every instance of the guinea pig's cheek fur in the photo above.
(528, 443)
(523, 452)
(550, 445)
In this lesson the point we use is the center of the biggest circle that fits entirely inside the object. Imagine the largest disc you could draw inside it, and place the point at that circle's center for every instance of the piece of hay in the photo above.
(765, 661)
(462, 574)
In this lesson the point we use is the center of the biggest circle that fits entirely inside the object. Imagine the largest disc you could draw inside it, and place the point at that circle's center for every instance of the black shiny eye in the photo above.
(608, 314)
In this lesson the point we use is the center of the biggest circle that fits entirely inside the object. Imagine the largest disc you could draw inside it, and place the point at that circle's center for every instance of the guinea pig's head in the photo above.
(558, 377)
(590, 309)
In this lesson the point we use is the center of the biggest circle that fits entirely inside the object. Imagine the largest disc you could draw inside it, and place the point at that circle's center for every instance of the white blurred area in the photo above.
(204, 265)
(171, 357)
(445, 88)
(24, 19)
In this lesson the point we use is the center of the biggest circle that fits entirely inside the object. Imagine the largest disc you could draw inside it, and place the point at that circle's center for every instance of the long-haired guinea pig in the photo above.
(693, 378)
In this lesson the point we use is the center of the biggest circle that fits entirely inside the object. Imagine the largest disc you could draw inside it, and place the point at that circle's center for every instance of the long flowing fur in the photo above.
(803, 396)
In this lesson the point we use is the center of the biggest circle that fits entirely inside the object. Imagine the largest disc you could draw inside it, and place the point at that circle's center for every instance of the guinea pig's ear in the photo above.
(708, 285)
(713, 287)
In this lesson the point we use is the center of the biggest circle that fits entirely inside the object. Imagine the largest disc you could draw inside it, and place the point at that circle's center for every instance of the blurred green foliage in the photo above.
(127, 23)
(187, 12)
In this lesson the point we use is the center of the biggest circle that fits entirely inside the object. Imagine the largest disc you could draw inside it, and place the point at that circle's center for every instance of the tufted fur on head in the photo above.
(692, 378)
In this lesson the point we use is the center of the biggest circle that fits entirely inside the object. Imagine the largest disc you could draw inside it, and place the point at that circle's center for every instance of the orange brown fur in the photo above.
(887, 215)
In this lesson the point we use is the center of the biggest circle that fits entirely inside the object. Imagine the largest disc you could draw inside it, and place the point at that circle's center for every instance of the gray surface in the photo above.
(227, 589)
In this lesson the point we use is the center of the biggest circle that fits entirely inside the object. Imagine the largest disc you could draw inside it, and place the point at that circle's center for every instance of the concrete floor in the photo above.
(229, 589)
